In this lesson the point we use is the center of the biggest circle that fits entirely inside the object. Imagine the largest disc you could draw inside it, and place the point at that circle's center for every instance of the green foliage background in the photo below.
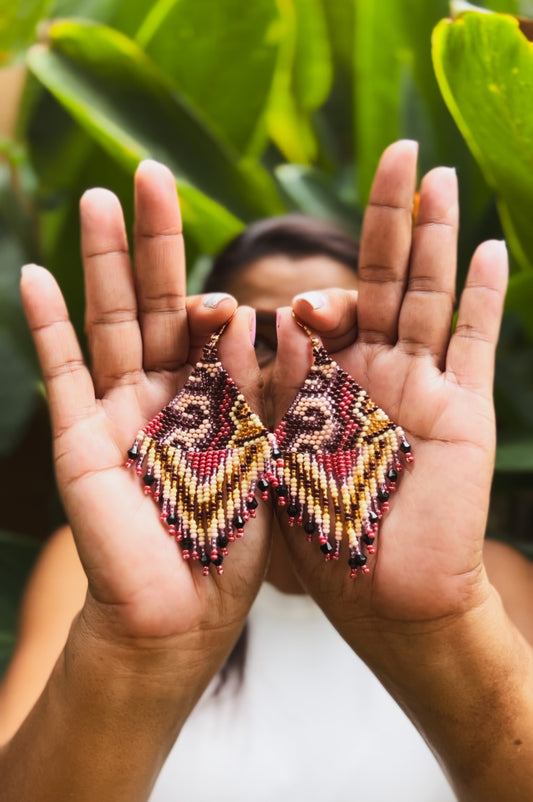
(258, 108)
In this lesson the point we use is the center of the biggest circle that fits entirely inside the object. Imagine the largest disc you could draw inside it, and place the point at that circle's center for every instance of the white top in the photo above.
(310, 723)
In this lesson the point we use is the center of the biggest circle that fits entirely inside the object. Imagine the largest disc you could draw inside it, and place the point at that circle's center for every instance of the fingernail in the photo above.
(214, 298)
(315, 299)
(27, 267)
(149, 162)
(253, 326)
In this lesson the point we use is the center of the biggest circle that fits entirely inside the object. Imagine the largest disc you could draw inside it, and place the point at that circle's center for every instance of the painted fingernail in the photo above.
(253, 326)
(316, 300)
(214, 298)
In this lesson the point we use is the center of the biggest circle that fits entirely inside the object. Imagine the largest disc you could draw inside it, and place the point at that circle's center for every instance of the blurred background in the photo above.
(258, 108)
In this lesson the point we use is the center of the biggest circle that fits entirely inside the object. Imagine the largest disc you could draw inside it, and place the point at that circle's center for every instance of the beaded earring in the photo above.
(336, 459)
(333, 461)
(201, 459)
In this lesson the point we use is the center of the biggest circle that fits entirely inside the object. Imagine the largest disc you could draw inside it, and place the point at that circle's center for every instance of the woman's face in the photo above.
(273, 281)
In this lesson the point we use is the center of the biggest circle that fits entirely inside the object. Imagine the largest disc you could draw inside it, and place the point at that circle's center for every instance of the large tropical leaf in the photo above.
(128, 106)
(484, 66)
(302, 81)
(396, 94)
(18, 21)
(316, 194)
(222, 56)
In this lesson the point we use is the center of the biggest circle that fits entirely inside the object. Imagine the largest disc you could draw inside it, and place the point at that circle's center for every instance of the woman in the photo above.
(152, 633)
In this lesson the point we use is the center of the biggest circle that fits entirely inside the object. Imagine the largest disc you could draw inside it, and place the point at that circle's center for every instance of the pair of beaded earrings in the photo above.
(332, 462)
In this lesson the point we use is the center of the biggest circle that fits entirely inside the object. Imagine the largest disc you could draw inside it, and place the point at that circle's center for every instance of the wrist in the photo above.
(170, 671)
(465, 683)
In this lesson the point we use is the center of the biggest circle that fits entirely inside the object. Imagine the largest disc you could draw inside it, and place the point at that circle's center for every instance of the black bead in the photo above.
(262, 485)
(367, 539)
(276, 454)
(218, 560)
(293, 510)
(205, 559)
(405, 448)
(222, 541)
(357, 560)
(148, 479)
(172, 520)
(238, 522)
(326, 548)
(373, 517)
(309, 527)
(283, 491)
(186, 543)
(383, 495)
(392, 475)
(133, 452)
(252, 504)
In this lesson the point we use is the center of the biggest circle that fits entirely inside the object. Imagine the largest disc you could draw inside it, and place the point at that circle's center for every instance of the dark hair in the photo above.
(293, 235)
(296, 236)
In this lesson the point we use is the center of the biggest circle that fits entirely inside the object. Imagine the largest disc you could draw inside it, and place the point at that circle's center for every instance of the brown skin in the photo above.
(426, 619)
(266, 285)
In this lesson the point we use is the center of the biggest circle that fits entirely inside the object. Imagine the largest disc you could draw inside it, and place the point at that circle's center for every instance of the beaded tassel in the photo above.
(336, 459)
(201, 459)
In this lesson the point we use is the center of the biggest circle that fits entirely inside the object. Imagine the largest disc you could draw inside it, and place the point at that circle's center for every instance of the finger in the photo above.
(237, 355)
(206, 314)
(111, 308)
(160, 268)
(293, 360)
(427, 308)
(332, 314)
(470, 360)
(68, 382)
(386, 243)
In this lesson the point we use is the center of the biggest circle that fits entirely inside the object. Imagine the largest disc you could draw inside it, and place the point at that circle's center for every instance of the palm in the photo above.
(398, 347)
(144, 341)
(420, 553)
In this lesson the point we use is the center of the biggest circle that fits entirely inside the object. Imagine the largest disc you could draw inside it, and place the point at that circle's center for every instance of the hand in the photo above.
(144, 337)
(395, 341)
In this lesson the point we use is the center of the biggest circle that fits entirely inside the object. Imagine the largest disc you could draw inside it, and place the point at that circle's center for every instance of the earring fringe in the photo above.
(336, 460)
(201, 459)
(333, 461)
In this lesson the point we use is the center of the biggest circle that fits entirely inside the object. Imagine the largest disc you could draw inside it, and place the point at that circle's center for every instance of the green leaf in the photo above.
(18, 22)
(340, 19)
(379, 57)
(396, 94)
(302, 81)
(101, 10)
(129, 107)
(17, 556)
(19, 373)
(18, 386)
(519, 299)
(484, 66)
(313, 72)
(314, 193)
(515, 456)
(222, 56)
